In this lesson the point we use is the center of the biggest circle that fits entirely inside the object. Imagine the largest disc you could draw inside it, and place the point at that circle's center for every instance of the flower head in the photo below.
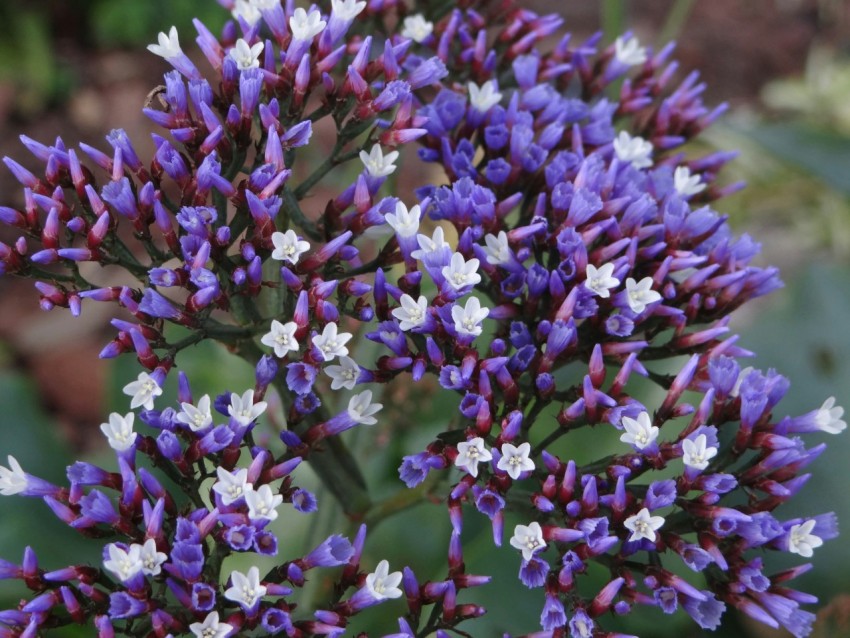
(13, 479)
(378, 164)
(460, 273)
(124, 563)
(262, 503)
(382, 584)
(412, 313)
(802, 541)
(468, 319)
(639, 294)
(515, 459)
(361, 408)
(245, 589)
(634, 150)
(243, 409)
(168, 46)
(281, 338)
(643, 525)
(828, 417)
(119, 431)
(306, 26)
(404, 222)
(685, 183)
(484, 97)
(143, 390)
(246, 56)
(470, 454)
(287, 246)
(696, 454)
(600, 281)
(211, 627)
(331, 343)
(231, 486)
(528, 539)
(345, 374)
(347, 9)
(417, 28)
(628, 51)
(196, 417)
(497, 249)
(639, 432)
(152, 559)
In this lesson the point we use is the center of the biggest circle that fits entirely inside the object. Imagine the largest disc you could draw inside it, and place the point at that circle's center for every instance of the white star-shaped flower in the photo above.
(484, 97)
(600, 281)
(378, 164)
(197, 417)
(801, 540)
(119, 431)
(412, 313)
(281, 338)
(246, 56)
(528, 539)
(639, 294)
(642, 525)
(344, 375)
(243, 408)
(232, 486)
(262, 503)
(685, 183)
(496, 248)
(404, 222)
(696, 454)
(124, 564)
(629, 51)
(265, 5)
(470, 454)
(13, 479)
(461, 273)
(382, 584)
(331, 343)
(828, 417)
(287, 246)
(635, 150)
(417, 28)
(152, 560)
(211, 627)
(306, 26)
(639, 433)
(468, 319)
(347, 9)
(361, 408)
(245, 589)
(168, 46)
(429, 245)
(515, 459)
(247, 11)
(143, 390)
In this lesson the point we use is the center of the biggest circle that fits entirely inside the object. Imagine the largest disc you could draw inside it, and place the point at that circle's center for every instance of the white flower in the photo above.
(265, 5)
(378, 164)
(470, 454)
(642, 525)
(600, 280)
(515, 459)
(382, 584)
(245, 55)
(344, 375)
(828, 417)
(262, 503)
(169, 45)
(281, 338)
(151, 559)
(696, 454)
(801, 540)
(633, 149)
(484, 97)
(245, 589)
(629, 51)
(306, 26)
(685, 183)
(412, 313)
(640, 294)
(640, 432)
(243, 408)
(143, 390)
(247, 11)
(417, 28)
(361, 408)
(468, 319)
(124, 564)
(404, 222)
(119, 431)
(461, 273)
(287, 246)
(211, 628)
(497, 250)
(528, 539)
(347, 9)
(429, 245)
(13, 479)
(232, 486)
(331, 343)
(196, 417)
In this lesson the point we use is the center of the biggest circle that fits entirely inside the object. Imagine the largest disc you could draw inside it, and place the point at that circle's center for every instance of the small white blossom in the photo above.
(287, 246)
(143, 390)
(497, 250)
(633, 149)
(243, 408)
(412, 313)
(470, 454)
(306, 26)
(281, 338)
(246, 10)
(361, 408)
(232, 486)
(347, 9)
(528, 539)
(828, 417)
(378, 164)
(124, 564)
(484, 97)
(152, 560)
(696, 454)
(468, 319)
(461, 273)
(265, 5)
(197, 417)
(743, 374)
(429, 245)
(640, 433)
(119, 431)
(642, 525)
(640, 294)
(245, 589)
(404, 222)
(331, 343)
(245, 55)
(629, 51)
(801, 540)
(382, 584)
(168, 46)
(685, 183)
(417, 28)
(515, 459)
(13, 479)
(211, 627)
(344, 375)
(600, 281)
(262, 503)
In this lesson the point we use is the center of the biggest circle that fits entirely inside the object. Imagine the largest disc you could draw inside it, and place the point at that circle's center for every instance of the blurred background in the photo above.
(78, 69)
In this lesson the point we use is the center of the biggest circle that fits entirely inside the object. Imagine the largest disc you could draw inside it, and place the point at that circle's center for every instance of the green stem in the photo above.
(613, 18)
(675, 20)
(400, 501)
